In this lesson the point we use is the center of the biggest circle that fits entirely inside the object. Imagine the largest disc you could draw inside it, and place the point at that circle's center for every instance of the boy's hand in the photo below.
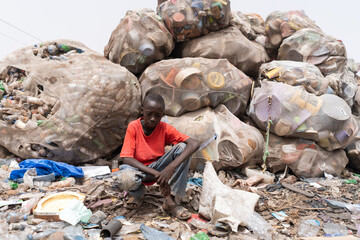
(165, 175)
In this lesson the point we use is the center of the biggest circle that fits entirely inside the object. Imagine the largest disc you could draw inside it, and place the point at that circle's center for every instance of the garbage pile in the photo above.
(140, 39)
(279, 140)
(188, 84)
(66, 106)
(190, 19)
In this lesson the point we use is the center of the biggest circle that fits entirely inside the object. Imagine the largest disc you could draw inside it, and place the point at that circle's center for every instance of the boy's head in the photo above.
(153, 110)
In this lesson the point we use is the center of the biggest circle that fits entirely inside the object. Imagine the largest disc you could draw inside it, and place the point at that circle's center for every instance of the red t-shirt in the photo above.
(148, 149)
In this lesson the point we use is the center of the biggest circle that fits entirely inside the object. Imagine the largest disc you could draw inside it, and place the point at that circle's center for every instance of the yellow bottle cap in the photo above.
(215, 80)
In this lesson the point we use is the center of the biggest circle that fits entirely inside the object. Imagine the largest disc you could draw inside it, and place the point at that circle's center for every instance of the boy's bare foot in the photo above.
(179, 212)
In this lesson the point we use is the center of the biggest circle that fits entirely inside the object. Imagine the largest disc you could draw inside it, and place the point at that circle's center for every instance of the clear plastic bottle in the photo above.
(14, 217)
(97, 217)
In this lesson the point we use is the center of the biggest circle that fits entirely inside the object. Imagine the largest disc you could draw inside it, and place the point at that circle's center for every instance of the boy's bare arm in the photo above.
(135, 163)
(164, 176)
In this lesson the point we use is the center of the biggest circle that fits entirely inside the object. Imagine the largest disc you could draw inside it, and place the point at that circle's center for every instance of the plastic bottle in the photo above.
(28, 205)
(334, 230)
(308, 228)
(65, 183)
(64, 47)
(41, 235)
(53, 50)
(14, 217)
(97, 217)
(115, 165)
(200, 236)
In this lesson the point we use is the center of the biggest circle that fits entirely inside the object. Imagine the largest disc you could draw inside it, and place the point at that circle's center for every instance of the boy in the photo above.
(145, 160)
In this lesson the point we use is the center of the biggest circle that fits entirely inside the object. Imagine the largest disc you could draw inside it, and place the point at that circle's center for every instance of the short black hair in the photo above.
(154, 98)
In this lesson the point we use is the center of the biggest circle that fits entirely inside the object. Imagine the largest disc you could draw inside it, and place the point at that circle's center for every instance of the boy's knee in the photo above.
(129, 178)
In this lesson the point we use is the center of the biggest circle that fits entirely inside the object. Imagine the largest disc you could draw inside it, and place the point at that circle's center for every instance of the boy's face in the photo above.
(152, 113)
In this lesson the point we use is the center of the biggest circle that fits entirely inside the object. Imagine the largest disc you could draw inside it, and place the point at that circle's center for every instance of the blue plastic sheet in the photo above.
(44, 167)
(153, 234)
(195, 181)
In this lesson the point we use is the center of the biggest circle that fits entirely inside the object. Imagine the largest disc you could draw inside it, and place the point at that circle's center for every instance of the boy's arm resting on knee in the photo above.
(135, 163)
(166, 174)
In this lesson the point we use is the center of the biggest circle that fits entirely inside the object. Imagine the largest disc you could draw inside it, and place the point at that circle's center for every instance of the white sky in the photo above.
(92, 21)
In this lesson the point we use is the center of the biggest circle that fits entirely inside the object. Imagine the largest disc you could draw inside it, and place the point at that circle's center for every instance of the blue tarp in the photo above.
(44, 167)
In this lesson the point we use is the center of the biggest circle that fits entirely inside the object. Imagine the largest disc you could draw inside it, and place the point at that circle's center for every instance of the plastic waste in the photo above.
(45, 167)
(68, 182)
(236, 143)
(97, 217)
(191, 19)
(327, 119)
(139, 40)
(334, 230)
(280, 25)
(151, 233)
(248, 57)
(200, 236)
(261, 228)
(27, 206)
(313, 46)
(65, 128)
(75, 212)
(308, 228)
(74, 233)
(14, 217)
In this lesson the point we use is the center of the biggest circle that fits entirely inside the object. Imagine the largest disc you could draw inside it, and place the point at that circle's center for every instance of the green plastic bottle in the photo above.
(64, 47)
(2, 86)
(200, 236)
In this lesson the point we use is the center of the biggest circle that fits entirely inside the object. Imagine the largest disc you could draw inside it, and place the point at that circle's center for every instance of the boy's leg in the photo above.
(178, 181)
(130, 179)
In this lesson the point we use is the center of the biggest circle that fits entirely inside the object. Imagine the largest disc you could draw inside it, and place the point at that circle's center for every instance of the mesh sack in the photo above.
(280, 25)
(140, 39)
(353, 153)
(304, 157)
(188, 19)
(348, 85)
(326, 119)
(295, 74)
(312, 46)
(236, 145)
(251, 25)
(188, 84)
(73, 108)
(231, 44)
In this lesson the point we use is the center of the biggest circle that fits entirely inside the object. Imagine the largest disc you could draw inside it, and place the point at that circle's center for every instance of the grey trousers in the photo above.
(177, 182)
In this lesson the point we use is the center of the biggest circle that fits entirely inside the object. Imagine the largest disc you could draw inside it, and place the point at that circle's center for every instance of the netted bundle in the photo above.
(280, 25)
(236, 144)
(187, 19)
(231, 44)
(326, 119)
(353, 153)
(312, 46)
(251, 25)
(139, 40)
(188, 84)
(304, 157)
(295, 74)
(348, 85)
(72, 106)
